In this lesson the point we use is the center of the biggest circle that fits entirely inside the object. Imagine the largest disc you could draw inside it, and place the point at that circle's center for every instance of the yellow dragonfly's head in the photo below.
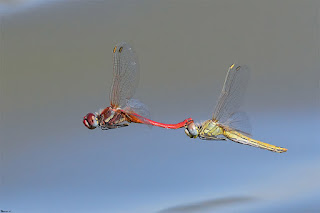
(191, 130)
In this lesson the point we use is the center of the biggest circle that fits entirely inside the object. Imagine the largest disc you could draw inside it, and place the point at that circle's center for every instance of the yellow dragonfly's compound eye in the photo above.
(187, 133)
(120, 49)
(238, 68)
(114, 49)
(231, 66)
(191, 130)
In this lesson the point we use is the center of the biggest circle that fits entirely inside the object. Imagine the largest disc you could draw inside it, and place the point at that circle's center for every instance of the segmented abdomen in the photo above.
(240, 138)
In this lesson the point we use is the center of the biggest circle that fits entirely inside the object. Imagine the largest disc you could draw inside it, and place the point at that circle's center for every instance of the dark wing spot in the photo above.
(120, 49)
(238, 68)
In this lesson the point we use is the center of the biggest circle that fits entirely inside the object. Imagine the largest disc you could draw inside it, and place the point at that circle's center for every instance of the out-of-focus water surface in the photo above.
(56, 65)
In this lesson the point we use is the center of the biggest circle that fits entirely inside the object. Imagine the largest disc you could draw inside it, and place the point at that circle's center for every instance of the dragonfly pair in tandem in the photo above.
(226, 122)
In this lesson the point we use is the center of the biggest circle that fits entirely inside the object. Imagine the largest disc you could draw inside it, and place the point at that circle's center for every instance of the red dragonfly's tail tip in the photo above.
(189, 120)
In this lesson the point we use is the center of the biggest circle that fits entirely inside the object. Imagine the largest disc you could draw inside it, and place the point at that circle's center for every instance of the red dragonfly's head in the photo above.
(90, 121)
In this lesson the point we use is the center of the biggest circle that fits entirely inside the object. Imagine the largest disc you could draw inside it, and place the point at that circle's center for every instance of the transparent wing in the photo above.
(232, 94)
(134, 105)
(239, 121)
(139, 111)
(125, 75)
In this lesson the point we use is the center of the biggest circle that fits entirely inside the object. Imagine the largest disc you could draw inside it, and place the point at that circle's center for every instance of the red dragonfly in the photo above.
(124, 109)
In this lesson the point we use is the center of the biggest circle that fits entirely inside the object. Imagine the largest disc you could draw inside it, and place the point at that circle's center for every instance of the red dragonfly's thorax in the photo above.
(111, 116)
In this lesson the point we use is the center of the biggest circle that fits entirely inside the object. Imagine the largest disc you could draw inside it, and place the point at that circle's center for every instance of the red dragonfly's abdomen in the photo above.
(133, 117)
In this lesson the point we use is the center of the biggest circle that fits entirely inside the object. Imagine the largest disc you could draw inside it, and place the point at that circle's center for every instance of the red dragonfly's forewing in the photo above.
(125, 81)
(125, 75)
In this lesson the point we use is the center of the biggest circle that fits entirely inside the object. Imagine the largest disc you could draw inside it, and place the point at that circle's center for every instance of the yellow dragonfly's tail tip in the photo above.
(281, 149)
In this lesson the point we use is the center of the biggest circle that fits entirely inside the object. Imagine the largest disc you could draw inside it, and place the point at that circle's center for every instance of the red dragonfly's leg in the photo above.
(133, 117)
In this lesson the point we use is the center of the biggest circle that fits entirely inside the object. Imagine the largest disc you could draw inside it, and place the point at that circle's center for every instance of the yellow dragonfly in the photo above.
(227, 122)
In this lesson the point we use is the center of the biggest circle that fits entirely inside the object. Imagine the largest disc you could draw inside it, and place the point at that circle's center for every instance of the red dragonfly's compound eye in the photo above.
(90, 121)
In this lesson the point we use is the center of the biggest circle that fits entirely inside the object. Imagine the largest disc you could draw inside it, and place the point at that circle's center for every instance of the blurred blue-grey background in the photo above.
(56, 66)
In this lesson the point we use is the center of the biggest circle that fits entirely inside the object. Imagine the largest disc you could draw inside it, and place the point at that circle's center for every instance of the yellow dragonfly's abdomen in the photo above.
(240, 138)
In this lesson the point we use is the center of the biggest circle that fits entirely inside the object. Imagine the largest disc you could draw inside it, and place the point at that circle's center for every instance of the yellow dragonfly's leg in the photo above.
(212, 138)
(240, 138)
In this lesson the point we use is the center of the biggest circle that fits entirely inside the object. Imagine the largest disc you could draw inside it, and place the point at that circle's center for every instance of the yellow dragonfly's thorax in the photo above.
(210, 129)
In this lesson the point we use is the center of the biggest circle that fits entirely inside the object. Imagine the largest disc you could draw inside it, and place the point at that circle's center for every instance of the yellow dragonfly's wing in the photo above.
(231, 97)
(239, 121)
(235, 124)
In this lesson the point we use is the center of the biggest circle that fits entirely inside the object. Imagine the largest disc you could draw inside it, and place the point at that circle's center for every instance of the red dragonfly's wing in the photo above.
(135, 106)
(125, 75)
(231, 98)
(125, 81)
